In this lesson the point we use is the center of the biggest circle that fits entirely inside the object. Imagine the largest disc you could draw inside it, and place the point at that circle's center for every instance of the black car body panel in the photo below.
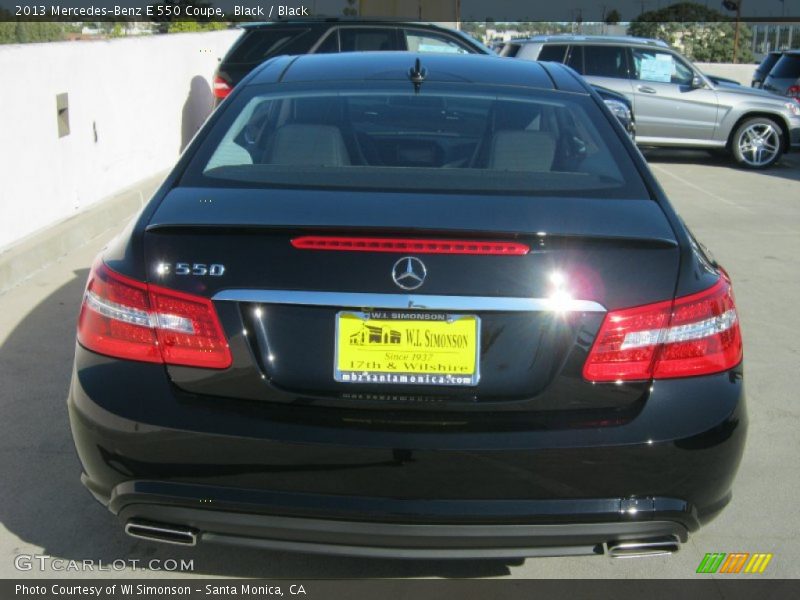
(262, 41)
(291, 38)
(641, 220)
(272, 451)
(679, 453)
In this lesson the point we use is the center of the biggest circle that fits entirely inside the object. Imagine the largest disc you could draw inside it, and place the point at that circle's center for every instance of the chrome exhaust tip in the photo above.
(158, 532)
(647, 547)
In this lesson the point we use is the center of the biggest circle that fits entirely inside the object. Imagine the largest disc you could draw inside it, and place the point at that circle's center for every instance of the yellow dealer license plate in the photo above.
(407, 348)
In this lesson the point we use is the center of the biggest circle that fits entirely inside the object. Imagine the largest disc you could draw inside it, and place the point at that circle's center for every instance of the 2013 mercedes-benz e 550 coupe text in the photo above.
(409, 306)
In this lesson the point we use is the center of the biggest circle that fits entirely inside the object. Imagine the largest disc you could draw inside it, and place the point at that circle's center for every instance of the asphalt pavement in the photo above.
(750, 221)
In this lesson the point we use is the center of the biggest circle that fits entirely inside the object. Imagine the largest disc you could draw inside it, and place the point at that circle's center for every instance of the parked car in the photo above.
(764, 68)
(261, 41)
(784, 77)
(675, 103)
(553, 47)
(415, 307)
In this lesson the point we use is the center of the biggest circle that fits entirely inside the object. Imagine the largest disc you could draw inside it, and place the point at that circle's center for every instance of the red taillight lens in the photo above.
(128, 319)
(694, 335)
(626, 345)
(221, 87)
(417, 246)
(115, 317)
(188, 330)
(793, 91)
(703, 336)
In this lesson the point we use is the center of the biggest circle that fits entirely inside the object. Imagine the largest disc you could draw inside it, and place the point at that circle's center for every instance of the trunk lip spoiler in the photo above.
(407, 301)
(322, 229)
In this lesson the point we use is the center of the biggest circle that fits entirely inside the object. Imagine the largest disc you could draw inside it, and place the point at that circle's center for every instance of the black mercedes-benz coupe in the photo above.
(413, 306)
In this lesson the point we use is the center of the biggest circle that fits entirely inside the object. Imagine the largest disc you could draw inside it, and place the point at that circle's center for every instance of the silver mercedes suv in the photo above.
(675, 103)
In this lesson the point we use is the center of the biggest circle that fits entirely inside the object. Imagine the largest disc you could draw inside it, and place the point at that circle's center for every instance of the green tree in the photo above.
(17, 32)
(613, 17)
(7, 28)
(194, 26)
(476, 29)
(703, 34)
(350, 10)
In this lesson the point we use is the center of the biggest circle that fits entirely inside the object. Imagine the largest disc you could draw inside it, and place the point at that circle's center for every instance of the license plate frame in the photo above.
(377, 374)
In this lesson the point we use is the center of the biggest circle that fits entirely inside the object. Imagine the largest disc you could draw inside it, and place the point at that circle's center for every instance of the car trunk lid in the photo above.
(532, 316)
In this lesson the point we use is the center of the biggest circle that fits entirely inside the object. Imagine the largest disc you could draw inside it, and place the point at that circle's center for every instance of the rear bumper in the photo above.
(794, 135)
(235, 473)
(400, 540)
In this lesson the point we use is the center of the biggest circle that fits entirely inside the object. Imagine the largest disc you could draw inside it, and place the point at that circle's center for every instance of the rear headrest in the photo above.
(309, 145)
(515, 150)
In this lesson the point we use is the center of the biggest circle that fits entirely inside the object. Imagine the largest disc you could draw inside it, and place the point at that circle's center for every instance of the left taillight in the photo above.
(129, 319)
(221, 87)
(692, 335)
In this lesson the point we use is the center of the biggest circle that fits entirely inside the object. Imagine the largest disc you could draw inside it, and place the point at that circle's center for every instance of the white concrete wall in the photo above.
(741, 73)
(144, 97)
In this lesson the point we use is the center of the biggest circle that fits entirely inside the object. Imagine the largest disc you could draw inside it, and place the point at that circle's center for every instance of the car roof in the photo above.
(595, 39)
(387, 66)
(330, 21)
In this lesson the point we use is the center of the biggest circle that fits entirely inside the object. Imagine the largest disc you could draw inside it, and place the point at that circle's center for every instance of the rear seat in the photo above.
(522, 150)
(307, 145)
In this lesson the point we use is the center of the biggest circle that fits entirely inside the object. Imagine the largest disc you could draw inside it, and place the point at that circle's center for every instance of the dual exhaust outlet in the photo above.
(166, 534)
(645, 547)
(186, 536)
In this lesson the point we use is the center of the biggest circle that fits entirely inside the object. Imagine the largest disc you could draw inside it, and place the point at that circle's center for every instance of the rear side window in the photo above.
(660, 67)
(365, 39)
(418, 41)
(257, 45)
(553, 52)
(446, 139)
(510, 50)
(605, 61)
(329, 45)
(575, 59)
(787, 67)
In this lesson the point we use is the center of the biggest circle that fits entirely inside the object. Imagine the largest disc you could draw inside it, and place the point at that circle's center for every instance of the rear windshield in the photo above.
(768, 62)
(437, 140)
(787, 67)
(261, 43)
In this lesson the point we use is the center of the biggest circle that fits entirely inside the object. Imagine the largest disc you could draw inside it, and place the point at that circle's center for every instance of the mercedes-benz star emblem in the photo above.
(409, 273)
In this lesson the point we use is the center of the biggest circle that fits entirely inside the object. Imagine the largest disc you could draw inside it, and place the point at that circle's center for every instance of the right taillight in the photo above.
(129, 319)
(793, 91)
(692, 335)
(221, 87)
